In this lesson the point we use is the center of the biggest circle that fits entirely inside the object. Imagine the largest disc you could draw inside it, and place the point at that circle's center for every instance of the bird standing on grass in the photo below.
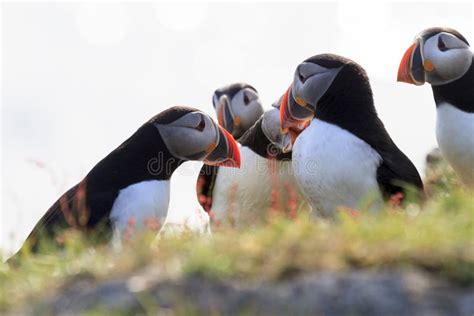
(264, 179)
(131, 185)
(442, 57)
(245, 196)
(237, 107)
(345, 157)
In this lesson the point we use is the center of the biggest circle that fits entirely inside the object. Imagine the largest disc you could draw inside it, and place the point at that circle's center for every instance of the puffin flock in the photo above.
(322, 144)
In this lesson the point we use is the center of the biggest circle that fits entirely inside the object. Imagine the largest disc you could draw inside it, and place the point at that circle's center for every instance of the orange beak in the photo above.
(226, 153)
(413, 67)
(291, 123)
(404, 70)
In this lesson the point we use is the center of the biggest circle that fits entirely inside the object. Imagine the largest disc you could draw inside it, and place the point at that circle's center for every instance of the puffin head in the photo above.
(316, 80)
(238, 107)
(437, 56)
(190, 134)
(272, 131)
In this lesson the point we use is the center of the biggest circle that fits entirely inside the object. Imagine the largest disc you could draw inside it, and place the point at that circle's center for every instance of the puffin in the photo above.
(261, 185)
(131, 185)
(265, 178)
(237, 107)
(443, 58)
(344, 159)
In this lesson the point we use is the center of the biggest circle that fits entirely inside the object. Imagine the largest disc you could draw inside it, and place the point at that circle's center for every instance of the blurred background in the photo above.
(78, 79)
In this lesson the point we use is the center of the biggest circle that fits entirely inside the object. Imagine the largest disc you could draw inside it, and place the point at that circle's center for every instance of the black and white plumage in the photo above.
(443, 58)
(132, 183)
(244, 197)
(345, 157)
(238, 107)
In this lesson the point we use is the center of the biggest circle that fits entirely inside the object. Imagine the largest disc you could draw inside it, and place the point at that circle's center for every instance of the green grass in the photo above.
(437, 237)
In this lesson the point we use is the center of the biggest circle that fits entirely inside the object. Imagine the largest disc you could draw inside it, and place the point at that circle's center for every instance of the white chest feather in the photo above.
(141, 202)
(335, 168)
(246, 193)
(455, 134)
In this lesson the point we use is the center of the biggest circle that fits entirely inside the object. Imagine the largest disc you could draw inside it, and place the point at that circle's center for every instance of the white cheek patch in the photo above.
(271, 125)
(448, 65)
(185, 141)
(237, 104)
(272, 131)
(251, 94)
(249, 113)
(188, 120)
(178, 140)
(315, 86)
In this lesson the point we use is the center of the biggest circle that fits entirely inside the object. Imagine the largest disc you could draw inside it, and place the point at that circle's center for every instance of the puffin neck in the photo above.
(148, 152)
(349, 104)
(238, 134)
(255, 139)
(459, 93)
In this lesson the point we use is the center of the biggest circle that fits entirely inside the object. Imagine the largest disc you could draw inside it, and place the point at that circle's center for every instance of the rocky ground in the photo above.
(364, 292)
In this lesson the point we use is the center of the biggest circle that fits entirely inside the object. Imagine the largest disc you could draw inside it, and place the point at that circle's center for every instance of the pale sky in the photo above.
(78, 79)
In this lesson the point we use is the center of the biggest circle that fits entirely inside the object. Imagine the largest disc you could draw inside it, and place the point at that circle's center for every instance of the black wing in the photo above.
(205, 185)
(80, 208)
(397, 174)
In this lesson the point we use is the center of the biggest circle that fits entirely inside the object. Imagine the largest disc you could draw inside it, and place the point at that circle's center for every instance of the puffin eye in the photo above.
(442, 45)
(300, 75)
(246, 99)
(201, 125)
